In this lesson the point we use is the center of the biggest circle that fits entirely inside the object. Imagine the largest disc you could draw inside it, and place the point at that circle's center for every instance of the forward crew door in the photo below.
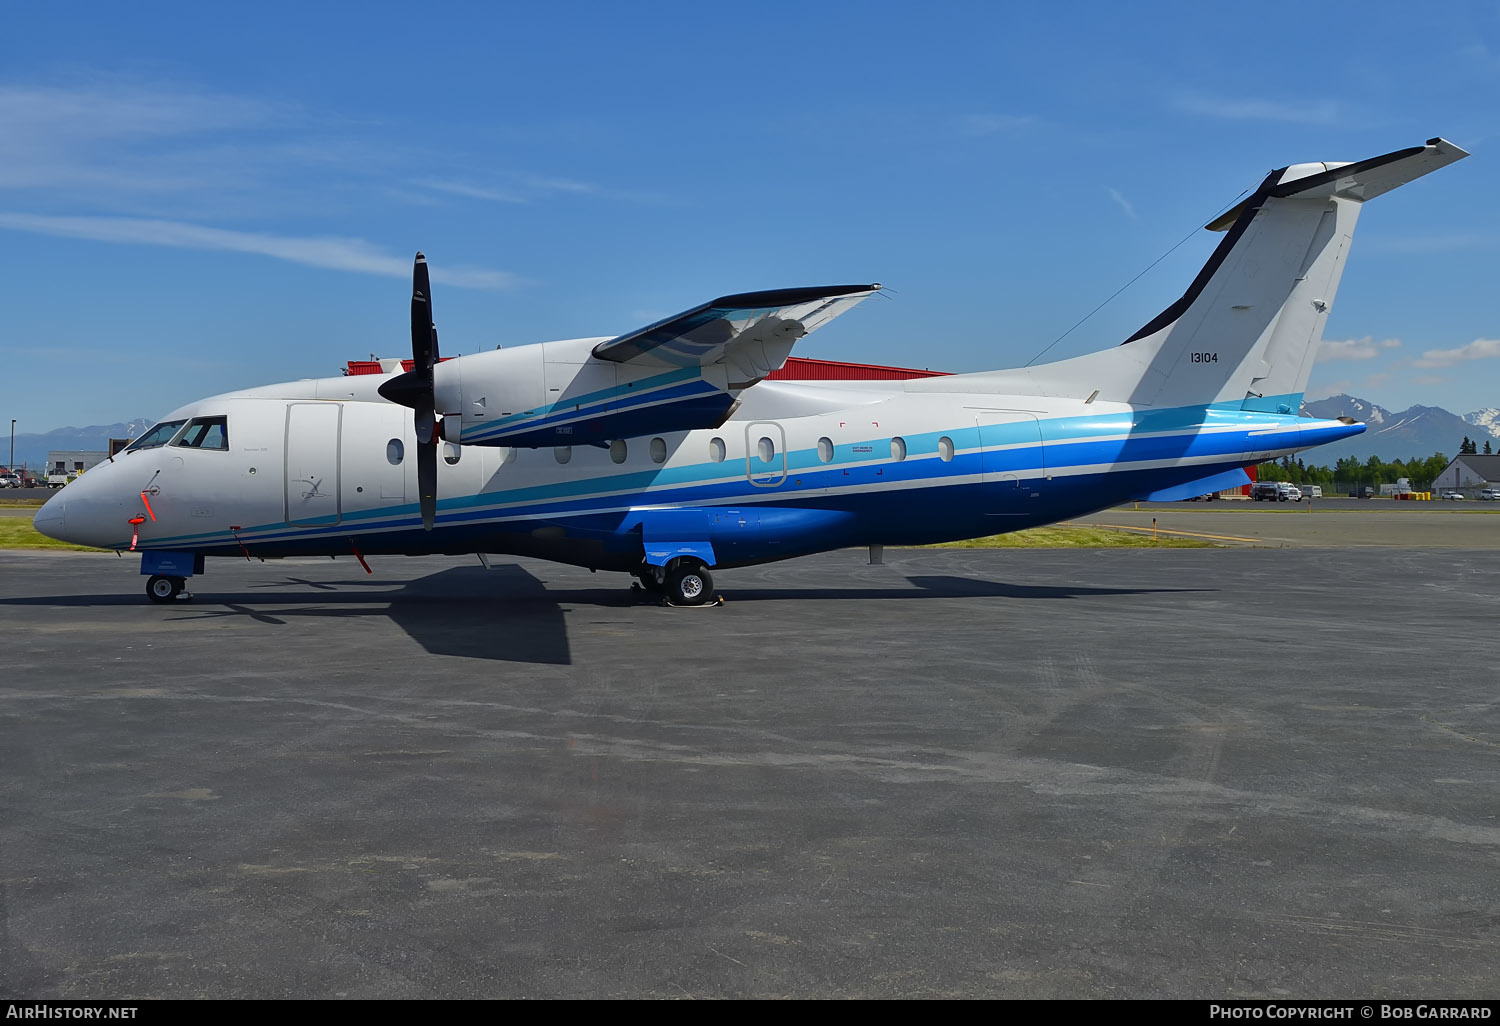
(312, 463)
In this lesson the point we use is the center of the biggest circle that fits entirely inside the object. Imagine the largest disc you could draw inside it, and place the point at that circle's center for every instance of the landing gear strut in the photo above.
(164, 589)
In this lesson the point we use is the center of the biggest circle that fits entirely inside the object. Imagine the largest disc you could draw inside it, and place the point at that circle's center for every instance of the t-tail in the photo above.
(1245, 333)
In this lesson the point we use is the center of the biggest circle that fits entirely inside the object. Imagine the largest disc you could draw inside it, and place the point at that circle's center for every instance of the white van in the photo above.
(1311, 491)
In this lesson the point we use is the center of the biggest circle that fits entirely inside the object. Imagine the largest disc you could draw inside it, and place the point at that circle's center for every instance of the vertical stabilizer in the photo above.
(1246, 331)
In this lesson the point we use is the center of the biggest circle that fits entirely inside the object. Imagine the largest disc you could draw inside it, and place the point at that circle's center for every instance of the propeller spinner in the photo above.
(414, 389)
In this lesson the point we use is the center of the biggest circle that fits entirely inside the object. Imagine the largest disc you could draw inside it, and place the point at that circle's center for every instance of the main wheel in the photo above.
(163, 589)
(689, 586)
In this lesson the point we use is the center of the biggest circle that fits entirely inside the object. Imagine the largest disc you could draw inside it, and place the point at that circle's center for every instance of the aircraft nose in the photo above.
(49, 519)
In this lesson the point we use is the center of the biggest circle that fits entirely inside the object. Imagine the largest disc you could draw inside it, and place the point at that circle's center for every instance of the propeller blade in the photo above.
(424, 350)
(414, 390)
(427, 481)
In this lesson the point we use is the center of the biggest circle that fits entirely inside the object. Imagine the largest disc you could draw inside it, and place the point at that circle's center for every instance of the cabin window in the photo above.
(204, 433)
(618, 450)
(562, 453)
(825, 450)
(395, 452)
(716, 449)
(161, 434)
(451, 454)
(767, 449)
(945, 449)
(658, 450)
(898, 449)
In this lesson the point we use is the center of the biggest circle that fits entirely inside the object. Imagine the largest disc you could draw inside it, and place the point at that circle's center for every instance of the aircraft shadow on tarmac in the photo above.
(508, 614)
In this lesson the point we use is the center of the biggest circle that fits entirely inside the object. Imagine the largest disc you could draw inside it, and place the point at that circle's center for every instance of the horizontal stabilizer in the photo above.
(1228, 479)
(1361, 180)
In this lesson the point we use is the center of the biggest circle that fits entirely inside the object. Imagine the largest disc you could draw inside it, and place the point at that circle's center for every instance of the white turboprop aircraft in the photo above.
(665, 453)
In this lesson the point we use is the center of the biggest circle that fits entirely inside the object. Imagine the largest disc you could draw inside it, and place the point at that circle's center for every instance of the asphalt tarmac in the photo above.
(970, 773)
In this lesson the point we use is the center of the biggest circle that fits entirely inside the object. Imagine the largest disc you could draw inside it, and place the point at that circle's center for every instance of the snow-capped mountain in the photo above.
(1416, 431)
(1487, 419)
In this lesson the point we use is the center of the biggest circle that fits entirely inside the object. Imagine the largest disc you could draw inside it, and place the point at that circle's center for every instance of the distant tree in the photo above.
(1467, 448)
(1487, 450)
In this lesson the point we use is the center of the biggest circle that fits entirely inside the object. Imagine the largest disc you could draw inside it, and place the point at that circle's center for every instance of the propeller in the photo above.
(414, 389)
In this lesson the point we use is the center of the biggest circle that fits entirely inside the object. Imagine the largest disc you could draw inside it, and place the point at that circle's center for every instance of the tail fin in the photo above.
(1248, 327)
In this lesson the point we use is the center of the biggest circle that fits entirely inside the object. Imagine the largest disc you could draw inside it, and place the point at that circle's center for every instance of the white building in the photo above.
(1468, 474)
(73, 461)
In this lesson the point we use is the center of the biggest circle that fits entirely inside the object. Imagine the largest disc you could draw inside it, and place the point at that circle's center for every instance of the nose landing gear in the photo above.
(160, 588)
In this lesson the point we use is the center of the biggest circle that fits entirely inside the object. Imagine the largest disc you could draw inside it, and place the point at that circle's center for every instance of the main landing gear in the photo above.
(685, 583)
(160, 588)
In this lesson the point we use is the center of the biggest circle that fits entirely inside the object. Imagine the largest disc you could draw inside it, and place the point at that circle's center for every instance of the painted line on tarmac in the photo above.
(1163, 530)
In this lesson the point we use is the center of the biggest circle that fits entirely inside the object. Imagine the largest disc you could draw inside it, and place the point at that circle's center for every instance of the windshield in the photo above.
(205, 433)
(159, 435)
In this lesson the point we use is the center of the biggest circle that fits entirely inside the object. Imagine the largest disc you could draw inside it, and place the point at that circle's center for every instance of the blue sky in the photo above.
(194, 199)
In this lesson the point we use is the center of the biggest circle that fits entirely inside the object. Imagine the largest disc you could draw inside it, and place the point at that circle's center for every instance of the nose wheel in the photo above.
(166, 589)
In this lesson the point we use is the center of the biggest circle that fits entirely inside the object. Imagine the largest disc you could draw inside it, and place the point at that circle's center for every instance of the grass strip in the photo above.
(1069, 537)
(17, 533)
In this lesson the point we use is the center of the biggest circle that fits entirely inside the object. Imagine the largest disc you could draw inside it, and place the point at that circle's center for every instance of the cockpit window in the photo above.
(205, 433)
(159, 435)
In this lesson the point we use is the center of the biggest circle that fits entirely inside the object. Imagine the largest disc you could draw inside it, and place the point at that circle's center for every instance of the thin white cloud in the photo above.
(1355, 349)
(1124, 204)
(521, 190)
(112, 133)
(147, 149)
(1300, 112)
(468, 191)
(1479, 349)
(560, 185)
(329, 252)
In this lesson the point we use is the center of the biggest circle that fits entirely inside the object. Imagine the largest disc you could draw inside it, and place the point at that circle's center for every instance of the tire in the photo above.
(163, 589)
(689, 586)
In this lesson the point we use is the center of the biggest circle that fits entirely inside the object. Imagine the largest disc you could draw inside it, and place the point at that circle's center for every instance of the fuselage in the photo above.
(325, 467)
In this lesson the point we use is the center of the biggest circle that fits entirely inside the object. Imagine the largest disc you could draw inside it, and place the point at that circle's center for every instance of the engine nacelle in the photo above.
(559, 393)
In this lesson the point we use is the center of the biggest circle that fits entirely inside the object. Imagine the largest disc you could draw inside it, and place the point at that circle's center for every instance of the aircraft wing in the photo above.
(752, 333)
